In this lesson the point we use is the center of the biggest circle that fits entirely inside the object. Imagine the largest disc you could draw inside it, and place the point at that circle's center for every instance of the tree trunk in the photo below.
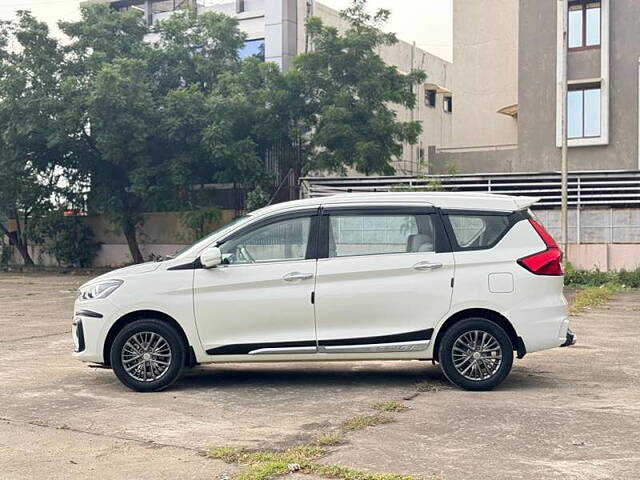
(132, 241)
(21, 245)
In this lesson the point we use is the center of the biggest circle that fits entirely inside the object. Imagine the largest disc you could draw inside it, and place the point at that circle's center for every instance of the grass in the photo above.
(594, 296)
(360, 422)
(393, 407)
(433, 387)
(329, 440)
(269, 464)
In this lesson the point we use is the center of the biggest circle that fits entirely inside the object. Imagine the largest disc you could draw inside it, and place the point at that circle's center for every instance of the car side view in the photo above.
(466, 280)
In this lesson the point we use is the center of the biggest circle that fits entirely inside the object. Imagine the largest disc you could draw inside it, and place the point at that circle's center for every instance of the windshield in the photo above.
(190, 249)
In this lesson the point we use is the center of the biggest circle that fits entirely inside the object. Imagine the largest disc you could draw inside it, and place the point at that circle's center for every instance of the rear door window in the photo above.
(474, 232)
(379, 234)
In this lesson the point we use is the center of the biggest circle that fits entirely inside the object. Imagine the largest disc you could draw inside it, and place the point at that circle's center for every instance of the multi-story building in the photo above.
(506, 80)
(275, 30)
(506, 127)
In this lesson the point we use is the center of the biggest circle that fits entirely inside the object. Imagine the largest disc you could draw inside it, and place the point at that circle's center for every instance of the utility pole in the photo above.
(564, 224)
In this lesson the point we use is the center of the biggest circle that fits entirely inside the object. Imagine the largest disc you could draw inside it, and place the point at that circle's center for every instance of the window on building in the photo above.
(239, 6)
(447, 104)
(584, 23)
(430, 97)
(252, 48)
(583, 111)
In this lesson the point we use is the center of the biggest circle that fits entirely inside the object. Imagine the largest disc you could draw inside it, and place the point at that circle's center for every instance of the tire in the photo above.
(149, 349)
(476, 354)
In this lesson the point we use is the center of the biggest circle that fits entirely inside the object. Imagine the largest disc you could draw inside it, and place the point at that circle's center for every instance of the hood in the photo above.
(123, 273)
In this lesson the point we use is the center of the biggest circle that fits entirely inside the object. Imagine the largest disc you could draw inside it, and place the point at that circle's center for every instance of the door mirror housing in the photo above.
(211, 257)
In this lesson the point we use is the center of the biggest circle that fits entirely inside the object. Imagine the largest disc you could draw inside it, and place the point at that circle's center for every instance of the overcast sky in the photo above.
(427, 22)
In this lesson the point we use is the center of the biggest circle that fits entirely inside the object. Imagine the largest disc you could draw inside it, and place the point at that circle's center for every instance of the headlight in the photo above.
(99, 290)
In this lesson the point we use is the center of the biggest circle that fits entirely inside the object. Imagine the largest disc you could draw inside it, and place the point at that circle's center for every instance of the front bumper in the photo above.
(571, 339)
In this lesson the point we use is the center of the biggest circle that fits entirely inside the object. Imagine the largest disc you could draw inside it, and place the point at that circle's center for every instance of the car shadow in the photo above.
(317, 376)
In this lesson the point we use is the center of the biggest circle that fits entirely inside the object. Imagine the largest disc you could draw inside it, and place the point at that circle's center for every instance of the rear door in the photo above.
(383, 278)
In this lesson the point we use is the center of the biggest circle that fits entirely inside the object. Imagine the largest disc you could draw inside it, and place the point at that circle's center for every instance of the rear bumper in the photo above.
(571, 339)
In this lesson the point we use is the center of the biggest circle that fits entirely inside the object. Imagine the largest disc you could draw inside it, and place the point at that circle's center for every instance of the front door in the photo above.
(259, 301)
(385, 282)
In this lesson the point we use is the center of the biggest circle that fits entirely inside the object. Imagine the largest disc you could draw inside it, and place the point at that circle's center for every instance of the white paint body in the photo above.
(355, 297)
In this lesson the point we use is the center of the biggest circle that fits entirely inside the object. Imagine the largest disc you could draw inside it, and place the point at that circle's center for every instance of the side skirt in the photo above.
(398, 343)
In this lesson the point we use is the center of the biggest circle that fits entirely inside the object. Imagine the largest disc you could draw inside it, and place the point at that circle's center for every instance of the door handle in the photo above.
(295, 276)
(422, 266)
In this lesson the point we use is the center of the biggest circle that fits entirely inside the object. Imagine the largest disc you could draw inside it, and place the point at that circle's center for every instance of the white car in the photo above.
(465, 280)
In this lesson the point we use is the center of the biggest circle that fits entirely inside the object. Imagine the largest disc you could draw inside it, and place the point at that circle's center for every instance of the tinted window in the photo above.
(379, 234)
(478, 231)
(280, 241)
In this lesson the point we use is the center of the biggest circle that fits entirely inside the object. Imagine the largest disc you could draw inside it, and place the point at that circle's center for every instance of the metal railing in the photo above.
(586, 189)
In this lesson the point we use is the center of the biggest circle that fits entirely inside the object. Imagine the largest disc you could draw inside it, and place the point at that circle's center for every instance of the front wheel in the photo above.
(476, 354)
(147, 355)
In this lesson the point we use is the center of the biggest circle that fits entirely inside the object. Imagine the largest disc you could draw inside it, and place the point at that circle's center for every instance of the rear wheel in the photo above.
(476, 354)
(147, 355)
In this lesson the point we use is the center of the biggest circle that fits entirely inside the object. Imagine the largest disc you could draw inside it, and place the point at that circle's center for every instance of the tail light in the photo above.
(547, 262)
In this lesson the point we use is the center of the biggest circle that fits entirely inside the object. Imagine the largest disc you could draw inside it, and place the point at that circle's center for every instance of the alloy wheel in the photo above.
(146, 356)
(476, 355)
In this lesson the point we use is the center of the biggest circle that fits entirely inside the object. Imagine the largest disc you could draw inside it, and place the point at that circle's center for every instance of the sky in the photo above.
(427, 22)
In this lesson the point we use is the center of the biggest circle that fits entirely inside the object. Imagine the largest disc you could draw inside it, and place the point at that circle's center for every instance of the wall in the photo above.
(159, 234)
(537, 113)
(485, 72)
(436, 123)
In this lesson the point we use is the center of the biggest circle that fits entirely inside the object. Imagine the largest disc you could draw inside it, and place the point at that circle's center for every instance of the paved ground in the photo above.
(566, 414)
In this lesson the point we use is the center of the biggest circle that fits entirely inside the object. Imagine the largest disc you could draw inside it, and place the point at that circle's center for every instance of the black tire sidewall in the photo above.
(177, 354)
(446, 346)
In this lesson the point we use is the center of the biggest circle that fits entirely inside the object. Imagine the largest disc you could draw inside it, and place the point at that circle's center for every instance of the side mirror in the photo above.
(211, 257)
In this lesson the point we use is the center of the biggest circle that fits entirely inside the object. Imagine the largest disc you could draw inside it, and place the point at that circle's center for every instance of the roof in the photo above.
(466, 201)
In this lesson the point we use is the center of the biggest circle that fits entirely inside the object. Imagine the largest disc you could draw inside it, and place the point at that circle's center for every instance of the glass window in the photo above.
(252, 48)
(584, 23)
(575, 105)
(593, 24)
(280, 241)
(478, 231)
(575, 26)
(592, 113)
(583, 112)
(448, 104)
(430, 98)
(380, 234)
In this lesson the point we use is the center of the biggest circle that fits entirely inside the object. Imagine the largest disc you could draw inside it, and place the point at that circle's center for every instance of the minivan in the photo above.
(467, 280)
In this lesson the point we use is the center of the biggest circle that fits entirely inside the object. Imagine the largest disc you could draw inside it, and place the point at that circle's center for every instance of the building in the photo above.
(275, 30)
(505, 132)
(507, 88)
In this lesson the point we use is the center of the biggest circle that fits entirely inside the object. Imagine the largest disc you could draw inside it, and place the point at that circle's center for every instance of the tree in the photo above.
(29, 108)
(341, 97)
(141, 108)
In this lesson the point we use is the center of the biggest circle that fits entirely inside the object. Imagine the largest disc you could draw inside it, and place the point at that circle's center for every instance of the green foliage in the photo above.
(594, 296)
(628, 278)
(143, 126)
(67, 238)
(29, 106)
(349, 94)
(256, 198)
(391, 406)
(200, 222)
(359, 422)
(269, 464)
